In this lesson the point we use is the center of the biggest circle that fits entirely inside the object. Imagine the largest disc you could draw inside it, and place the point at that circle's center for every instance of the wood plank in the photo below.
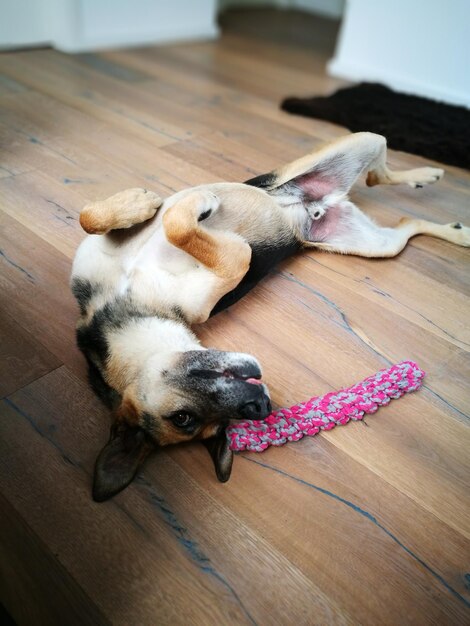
(8, 86)
(251, 73)
(29, 570)
(22, 358)
(419, 338)
(57, 74)
(239, 105)
(397, 289)
(172, 101)
(323, 498)
(36, 294)
(92, 167)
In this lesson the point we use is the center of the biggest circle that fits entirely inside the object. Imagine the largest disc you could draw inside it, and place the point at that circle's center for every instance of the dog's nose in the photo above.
(256, 409)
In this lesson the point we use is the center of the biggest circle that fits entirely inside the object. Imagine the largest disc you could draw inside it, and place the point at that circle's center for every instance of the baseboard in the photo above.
(176, 34)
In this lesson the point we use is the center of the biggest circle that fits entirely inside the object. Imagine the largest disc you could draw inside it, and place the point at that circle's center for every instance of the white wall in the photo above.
(78, 25)
(417, 46)
(22, 22)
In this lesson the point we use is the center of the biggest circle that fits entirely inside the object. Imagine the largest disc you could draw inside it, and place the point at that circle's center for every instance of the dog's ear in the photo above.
(315, 175)
(119, 460)
(218, 447)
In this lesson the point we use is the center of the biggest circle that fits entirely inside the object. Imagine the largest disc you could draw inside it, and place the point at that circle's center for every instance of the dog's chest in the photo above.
(154, 270)
(158, 256)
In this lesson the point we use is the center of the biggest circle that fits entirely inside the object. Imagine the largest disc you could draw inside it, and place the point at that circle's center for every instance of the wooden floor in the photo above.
(362, 525)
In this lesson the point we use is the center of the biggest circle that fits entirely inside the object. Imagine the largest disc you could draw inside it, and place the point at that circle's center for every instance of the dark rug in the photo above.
(431, 129)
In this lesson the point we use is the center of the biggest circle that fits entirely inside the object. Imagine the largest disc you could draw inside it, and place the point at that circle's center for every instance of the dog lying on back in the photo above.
(160, 266)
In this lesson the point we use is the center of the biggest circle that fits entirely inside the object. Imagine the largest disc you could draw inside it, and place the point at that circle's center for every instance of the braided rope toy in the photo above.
(325, 412)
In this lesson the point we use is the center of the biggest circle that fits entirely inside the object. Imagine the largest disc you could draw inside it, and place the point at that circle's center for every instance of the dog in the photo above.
(150, 269)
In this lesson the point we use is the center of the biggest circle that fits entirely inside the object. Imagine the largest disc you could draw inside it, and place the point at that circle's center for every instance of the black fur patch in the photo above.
(264, 258)
(204, 215)
(264, 181)
(178, 313)
(105, 393)
(83, 291)
(91, 340)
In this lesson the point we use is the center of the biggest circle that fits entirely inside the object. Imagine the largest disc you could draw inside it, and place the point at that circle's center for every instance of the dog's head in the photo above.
(176, 398)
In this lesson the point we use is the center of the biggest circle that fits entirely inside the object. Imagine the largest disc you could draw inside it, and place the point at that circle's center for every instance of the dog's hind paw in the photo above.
(460, 234)
(422, 176)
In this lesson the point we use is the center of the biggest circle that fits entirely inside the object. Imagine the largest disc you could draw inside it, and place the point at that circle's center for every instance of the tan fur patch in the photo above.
(209, 431)
(372, 179)
(226, 254)
(118, 373)
(94, 223)
(122, 210)
(128, 411)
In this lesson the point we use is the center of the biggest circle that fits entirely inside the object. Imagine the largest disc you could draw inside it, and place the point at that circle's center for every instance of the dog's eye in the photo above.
(182, 419)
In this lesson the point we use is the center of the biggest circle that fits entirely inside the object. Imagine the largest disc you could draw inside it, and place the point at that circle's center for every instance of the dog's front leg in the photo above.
(224, 253)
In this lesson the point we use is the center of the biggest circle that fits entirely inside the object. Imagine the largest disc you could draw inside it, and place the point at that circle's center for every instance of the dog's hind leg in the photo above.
(349, 156)
(380, 174)
(123, 210)
(319, 181)
(336, 166)
(345, 229)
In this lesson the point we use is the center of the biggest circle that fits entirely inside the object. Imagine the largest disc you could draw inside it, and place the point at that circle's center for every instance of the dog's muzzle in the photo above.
(232, 381)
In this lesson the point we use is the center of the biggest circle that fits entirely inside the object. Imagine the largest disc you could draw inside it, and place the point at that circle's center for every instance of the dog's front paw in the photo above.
(123, 210)
(207, 205)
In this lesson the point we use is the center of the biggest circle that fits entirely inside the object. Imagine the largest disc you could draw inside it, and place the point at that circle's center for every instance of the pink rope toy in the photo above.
(325, 412)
